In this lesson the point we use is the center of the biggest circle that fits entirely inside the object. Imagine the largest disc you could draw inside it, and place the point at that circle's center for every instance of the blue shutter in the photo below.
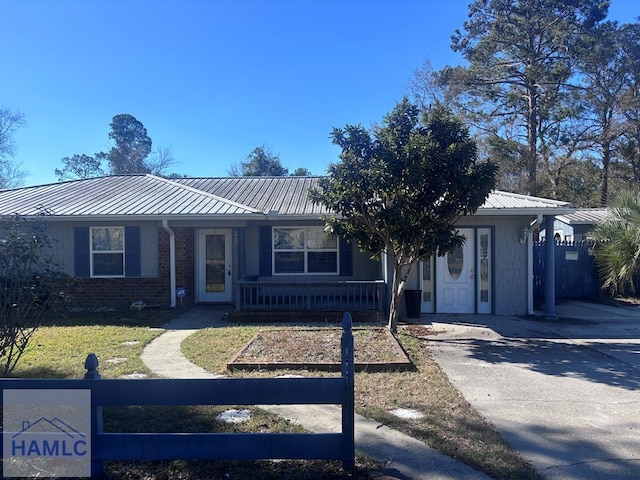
(242, 254)
(132, 252)
(346, 258)
(81, 252)
(265, 244)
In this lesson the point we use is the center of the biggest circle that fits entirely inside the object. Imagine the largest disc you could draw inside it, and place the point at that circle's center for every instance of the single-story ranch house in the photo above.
(258, 243)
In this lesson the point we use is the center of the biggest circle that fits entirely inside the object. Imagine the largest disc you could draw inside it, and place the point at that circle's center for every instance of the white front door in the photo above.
(455, 277)
(214, 265)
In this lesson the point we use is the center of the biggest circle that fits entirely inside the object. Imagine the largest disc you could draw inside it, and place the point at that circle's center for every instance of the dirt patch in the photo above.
(375, 349)
(421, 331)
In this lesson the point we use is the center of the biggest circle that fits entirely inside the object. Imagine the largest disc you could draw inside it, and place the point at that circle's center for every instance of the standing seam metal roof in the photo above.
(118, 195)
(148, 195)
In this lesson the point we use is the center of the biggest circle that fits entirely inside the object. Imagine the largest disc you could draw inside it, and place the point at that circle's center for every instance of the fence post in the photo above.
(348, 370)
(91, 365)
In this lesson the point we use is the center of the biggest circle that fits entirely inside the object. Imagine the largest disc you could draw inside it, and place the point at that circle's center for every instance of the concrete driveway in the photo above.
(565, 394)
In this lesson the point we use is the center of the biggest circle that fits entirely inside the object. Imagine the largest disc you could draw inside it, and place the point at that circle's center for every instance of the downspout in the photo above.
(535, 225)
(172, 260)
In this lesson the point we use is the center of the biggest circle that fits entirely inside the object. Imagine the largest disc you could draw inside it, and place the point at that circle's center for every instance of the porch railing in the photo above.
(329, 296)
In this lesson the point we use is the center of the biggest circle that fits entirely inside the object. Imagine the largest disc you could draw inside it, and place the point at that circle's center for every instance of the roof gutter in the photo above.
(519, 212)
(172, 260)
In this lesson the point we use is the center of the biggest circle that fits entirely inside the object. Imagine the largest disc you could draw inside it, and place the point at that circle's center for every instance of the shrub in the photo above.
(30, 283)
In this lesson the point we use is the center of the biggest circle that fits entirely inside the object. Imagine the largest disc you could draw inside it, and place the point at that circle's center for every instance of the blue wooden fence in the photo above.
(226, 391)
(576, 271)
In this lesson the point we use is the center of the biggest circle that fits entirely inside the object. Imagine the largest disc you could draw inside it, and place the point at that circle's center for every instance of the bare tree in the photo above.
(11, 174)
(162, 159)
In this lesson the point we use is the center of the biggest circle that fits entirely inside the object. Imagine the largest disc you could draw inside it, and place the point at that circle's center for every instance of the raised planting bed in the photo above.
(318, 349)
(251, 317)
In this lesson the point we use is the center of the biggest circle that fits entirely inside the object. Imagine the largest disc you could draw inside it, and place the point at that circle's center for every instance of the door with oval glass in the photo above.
(455, 277)
(214, 265)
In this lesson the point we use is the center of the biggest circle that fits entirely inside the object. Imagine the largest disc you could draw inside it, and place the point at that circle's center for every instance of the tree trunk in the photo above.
(532, 139)
(606, 160)
(399, 282)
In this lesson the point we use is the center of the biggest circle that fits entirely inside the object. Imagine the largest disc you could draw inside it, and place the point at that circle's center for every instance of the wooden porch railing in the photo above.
(354, 296)
(223, 391)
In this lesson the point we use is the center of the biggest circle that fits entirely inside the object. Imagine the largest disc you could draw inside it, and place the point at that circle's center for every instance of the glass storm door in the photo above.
(214, 266)
(455, 277)
(485, 280)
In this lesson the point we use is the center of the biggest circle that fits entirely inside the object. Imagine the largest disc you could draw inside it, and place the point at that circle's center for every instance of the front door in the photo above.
(214, 265)
(455, 277)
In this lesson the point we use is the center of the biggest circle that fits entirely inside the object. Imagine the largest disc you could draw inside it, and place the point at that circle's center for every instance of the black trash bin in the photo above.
(413, 299)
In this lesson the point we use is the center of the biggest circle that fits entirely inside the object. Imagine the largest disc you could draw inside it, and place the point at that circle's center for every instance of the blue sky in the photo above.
(215, 78)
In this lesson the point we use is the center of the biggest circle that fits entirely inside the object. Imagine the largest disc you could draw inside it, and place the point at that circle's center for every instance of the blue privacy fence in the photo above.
(226, 391)
(576, 273)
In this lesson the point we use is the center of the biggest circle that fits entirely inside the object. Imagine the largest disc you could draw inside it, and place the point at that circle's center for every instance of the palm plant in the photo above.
(618, 247)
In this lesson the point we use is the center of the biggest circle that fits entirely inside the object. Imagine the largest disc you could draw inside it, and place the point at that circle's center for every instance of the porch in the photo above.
(355, 296)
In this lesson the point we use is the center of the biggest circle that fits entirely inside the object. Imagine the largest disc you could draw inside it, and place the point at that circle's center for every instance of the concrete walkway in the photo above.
(564, 393)
(412, 458)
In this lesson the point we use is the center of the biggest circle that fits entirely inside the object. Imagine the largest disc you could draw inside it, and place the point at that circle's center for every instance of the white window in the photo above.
(299, 250)
(107, 251)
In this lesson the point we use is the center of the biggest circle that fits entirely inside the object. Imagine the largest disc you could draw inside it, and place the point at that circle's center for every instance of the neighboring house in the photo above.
(575, 226)
(258, 243)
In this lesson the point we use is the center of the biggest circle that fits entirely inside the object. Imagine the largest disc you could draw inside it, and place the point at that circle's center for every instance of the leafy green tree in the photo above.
(30, 283)
(301, 172)
(131, 153)
(401, 187)
(79, 166)
(618, 250)
(602, 89)
(629, 143)
(131, 148)
(261, 162)
(521, 58)
(11, 174)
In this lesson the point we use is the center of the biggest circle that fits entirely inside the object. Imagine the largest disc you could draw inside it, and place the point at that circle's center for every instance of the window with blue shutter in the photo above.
(107, 251)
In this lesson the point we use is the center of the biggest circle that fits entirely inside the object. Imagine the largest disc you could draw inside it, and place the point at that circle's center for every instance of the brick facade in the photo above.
(121, 292)
(185, 263)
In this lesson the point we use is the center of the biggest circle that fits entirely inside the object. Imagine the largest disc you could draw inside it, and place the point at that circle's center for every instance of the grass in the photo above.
(203, 419)
(58, 350)
(450, 424)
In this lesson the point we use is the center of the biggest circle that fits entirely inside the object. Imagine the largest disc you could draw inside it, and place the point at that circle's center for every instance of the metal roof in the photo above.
(507, 203)
(585, 216)
(125, 195)
(284, 195)
(148, 195)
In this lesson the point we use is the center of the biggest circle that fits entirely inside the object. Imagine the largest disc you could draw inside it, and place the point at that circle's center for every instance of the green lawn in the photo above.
(61, 351)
